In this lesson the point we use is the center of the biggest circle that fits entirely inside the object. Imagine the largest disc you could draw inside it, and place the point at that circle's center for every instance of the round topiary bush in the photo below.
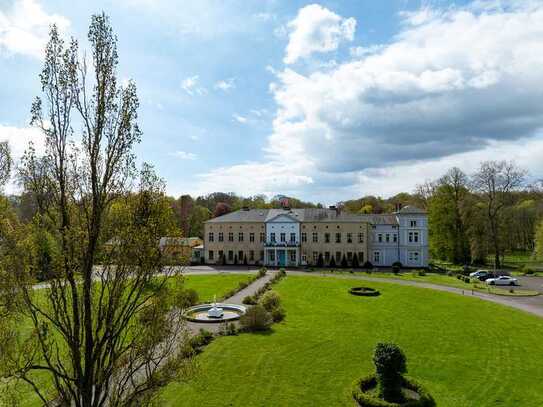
(364, 291)
(365, 395)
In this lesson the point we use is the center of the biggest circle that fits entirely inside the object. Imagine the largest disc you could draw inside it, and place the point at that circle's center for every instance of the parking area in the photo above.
(531, 283)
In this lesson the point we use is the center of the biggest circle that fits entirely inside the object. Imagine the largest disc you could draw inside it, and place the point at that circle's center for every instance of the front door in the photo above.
(281, 258)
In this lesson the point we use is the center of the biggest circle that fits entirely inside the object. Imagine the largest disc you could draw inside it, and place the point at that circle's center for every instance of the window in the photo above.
(221, 237)
(283, 237)
(413, 223)
(387, 238)
(376, 257)
(292, 256)
(221, 254)
(262, 237)
(210, 236)
(230, 255)
(211, 255)
(338, 257)
(252, 255)
(349, 237)
(292, 237)
(261, 254)
(380, 238)
(304, 237)
(350, 256)
(315, 237)
(395, 237)
(413, 237)
(251, 237)
(315, 257)
(338, 237)
(361, 238)
(272, 237)
(361, 258)
(327, 238)
(240, 256)
(413, 257)
(272, 255)
(230, 236)
(304, 257)
(326, 257)
(240, 236)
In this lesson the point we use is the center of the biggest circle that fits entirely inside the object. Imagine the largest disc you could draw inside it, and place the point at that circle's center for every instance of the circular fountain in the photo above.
(210, 313)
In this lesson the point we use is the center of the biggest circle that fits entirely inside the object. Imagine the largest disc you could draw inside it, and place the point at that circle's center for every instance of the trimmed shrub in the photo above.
(228, 329)
(421, 273)
(277, 314)
(367, 265)
(320, 261)
(332, 263)
(365, 398)
(364, 291)
(344, 263)
(390, 364)
(256, 319)
(270, 300)
(249, 300)
(355, 263)
(202, 339)
(262, 272)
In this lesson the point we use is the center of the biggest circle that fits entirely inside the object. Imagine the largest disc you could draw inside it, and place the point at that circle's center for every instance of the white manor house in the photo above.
(310, 237)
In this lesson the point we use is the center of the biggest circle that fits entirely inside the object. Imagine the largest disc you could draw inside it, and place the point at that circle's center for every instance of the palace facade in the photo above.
(309, 237)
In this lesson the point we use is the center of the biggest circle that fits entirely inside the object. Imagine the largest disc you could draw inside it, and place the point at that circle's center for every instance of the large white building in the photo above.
(294, 237)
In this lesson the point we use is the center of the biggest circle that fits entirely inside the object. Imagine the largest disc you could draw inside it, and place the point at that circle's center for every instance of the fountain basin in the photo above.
(200, 313)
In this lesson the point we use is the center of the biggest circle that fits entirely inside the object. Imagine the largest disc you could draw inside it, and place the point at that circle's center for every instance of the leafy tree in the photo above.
(390, 364)
(495, 181)
(256, 319)
(103, 336)
(539, 241)
(5, 163)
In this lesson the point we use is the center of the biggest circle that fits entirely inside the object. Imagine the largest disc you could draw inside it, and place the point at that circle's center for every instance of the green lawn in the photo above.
(467, 352)
(443, 279)
(206, 285)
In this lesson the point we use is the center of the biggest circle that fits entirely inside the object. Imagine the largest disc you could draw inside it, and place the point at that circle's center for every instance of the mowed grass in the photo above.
(207, 287)
(467, 352)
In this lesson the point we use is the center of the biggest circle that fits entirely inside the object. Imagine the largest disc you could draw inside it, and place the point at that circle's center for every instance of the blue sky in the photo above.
(325, 101)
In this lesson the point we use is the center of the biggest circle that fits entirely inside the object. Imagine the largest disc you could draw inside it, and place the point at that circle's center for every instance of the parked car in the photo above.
(481, 274)
(502, 280)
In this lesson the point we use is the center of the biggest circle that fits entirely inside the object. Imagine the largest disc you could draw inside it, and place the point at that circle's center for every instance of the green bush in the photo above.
(421, 273)
(202, 339)
(228, 329)
(390, 364)
(262, 272)
(249, 300)
(365, 398)
(367, 265)
(256, 319)
(277, 314)
(185, 298)
(270, 300)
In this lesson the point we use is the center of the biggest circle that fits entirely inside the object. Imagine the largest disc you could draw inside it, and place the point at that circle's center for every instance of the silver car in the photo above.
(502, 280)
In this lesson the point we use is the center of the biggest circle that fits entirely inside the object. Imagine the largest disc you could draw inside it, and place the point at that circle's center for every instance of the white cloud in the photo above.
(455, 86)
(24, 28)
(264, 17)
(225, 85)
(183, 155)
(240, 119)
(317, 29)
(18, 139)
(190, 85)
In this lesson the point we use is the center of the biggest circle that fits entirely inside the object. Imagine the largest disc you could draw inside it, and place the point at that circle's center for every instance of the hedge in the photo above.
(365, 399)
(364, 291)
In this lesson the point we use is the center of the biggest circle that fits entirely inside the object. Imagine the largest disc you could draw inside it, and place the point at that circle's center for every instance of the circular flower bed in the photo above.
(365, 394)
(364, 291)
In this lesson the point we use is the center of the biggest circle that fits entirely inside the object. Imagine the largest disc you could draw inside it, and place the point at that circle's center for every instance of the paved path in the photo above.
(237, 298)
(533, 305)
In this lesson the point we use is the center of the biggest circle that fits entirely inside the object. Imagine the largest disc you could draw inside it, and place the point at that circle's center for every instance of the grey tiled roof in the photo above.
(304, 215)
(412, 209)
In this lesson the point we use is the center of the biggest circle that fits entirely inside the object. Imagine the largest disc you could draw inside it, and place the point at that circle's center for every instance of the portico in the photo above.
(282, 255)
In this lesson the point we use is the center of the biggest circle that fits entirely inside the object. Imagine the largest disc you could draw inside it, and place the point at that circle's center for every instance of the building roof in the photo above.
(305, 215)
(179, 241)
(412, 210)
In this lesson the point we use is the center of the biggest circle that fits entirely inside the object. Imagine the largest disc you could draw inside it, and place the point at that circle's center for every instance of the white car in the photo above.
(502, 280)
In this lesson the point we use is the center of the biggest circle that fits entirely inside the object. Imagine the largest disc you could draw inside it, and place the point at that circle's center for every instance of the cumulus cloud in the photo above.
(240, 119)
(316, 29)
(191, 86)
(453, 87)
(225, 85)
(183, 155)
(19, 138)
(24, 28)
